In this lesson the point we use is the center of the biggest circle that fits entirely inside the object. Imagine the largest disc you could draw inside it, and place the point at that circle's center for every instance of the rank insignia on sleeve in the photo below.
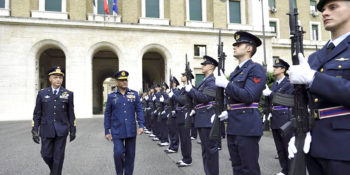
(256, 80)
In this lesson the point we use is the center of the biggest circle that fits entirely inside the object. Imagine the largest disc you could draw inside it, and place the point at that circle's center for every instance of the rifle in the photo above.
(189, 104)
(171, 104)
(219, 99)
(301, 120)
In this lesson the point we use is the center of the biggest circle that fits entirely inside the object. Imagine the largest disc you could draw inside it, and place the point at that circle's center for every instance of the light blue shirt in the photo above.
(53, 89)
(337, 41)
(279, 81)
(241, 64)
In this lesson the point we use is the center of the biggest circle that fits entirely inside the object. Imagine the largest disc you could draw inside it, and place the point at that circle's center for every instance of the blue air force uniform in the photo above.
(204, 111)
(280, 115)
(330, 98)
(244, 128)
(172, 126)
(54, 116)
(180, 97)
(120, 121)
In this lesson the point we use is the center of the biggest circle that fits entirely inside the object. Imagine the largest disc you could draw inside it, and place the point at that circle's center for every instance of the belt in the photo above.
(242, 106)
(280, 108)
(180, 108)
(199, 106)
(331, 112)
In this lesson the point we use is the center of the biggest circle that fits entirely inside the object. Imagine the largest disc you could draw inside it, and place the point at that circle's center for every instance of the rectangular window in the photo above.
(199, 78)
(313, 5)
(273, 26)
(315, 32)
(200, 50)
(152, 8)
(195, 10)
(235, 11)
(101, 6)
(272, 3)
(2, 3)
(53, 5)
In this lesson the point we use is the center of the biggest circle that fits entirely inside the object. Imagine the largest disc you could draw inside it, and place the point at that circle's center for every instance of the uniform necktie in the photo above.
(330, 48)
(54, 92)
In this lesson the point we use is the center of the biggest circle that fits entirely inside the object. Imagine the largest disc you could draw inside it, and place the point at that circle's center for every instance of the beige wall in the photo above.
(131, 12)
(177, 13)
(220, 14)
(34, 4)
(304, 16)
(20, 8)
(77, 9)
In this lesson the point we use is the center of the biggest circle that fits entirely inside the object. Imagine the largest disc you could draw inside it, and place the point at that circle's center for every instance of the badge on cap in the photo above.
(237, 37)
(123, 73)
(277, 61)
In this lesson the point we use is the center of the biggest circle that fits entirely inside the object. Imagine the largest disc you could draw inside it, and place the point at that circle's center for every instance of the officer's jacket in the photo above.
(120, 112)
(330, 88)
(280, 114)
(54, 114)
(203, 114)
(245, 87)
(180, 99)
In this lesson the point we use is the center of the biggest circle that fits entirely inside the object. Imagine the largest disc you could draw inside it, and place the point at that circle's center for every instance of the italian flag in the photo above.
(106, 7)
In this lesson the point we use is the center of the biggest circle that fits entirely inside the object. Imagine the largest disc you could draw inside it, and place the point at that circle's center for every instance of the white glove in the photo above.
(212, 118)
(223, 115)
(167, 91)
(146, 98)
(188, 87)
(155, 112)
(292, 150)
(161, 99)
(269, 117)
(170, 94)
(263, 119)
(162, 113)
(186, 115)
(154, 98)
(302, 73)
(307, 143)
(167, 116)
(192, 113)
(173, 112)
(267, 91)
(221, 81)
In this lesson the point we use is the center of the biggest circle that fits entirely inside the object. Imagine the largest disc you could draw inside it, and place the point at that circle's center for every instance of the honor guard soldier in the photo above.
(151, 108)
(120, 123)
(156, 112)
(327, 74)
(54, 117)
(243, 91)
(181, 97)
(162, 116)
(171, 119)
(204, 111)
(280, 114)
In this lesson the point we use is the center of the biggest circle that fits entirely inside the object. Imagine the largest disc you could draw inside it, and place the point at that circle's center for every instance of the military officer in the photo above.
(181, 97)
(54, 116)
(203, 112)
(120, 123)
(156, 112)
(280, 114)
(327, 74)
(243, 91)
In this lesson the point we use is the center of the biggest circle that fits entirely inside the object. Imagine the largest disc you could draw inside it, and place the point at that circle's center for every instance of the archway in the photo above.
(47, 59)
(153, 69)
(104, 65)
